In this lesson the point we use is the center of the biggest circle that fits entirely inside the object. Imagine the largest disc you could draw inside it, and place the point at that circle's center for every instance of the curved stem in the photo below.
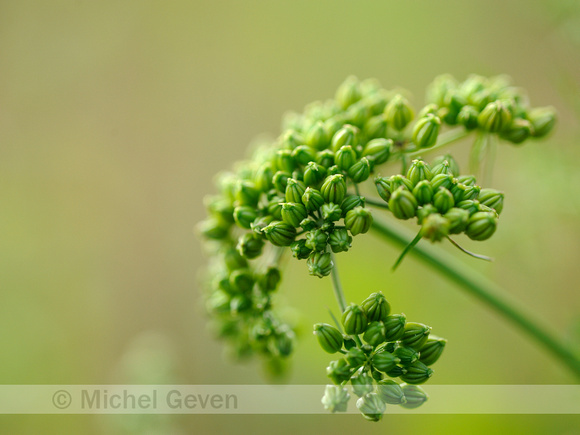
(482, 288)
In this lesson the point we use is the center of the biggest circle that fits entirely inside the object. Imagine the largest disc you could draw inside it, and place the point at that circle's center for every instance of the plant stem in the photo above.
(376, 203)
(336, 285)
(338, 293)
(482, 288)
(445, 139)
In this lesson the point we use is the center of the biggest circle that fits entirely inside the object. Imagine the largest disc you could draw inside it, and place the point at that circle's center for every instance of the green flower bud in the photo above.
(435, 227)
(470, 206)
(333, 124)
(270, 279)
(375, 333)
(495, 117)
(414, 395)
(362, 384)
(280, 233)
(390, 392)
(308, 224)
(442, 180)
(293, 213)
(263, 178)
(239, 304)
(282, 343)
(312, 199)
(300, 250)
(317, 137)
(294, 190)
(376, 127)
(481, 225)
(439, 88)
(419, 171)
(247, 193)
(429, 109)
(384, 361)
(329, 338)
(233, 260)
(518, 131)
(378, 150)
(394, 327)
(284, 161)
(355, 357)
(213, 228)
(333, 189)
(426, 131)
(345, 157)
(415, 335)
(468, 180)
(348, 93)
(325, 158)
(316, 240)
(400, 181)
(403, 204)
(358, 114)
(398, 112)
(347, 135)
(245, 215)
(339, 371)
(250, 245)
(407, 355)
(335, 398)
(354, 320)
(442, 168)
(260, 223)
(452, 163)
(319, 264)
(333, 170)
(468, 117)
(543, 120)
(492, 198)
(376, 308)
(423, 212)
(383, 186)
(314, 174)
(291, 139)
(218, 302)
(417, 373)
(303, 154)
(458, 219)
(454, 102)
(423, 192)
(350, 202)
(358, 220)
(360, 171)
(432, 350)
(371, 407)
(241, 281)
(460, 192)
(471, 192)
(280, 181)
(443, 200)
(275, 207)
(339, 240)
(396, 371)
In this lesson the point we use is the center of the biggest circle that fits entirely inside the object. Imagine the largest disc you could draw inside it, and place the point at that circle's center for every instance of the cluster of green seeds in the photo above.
(378, 347)
(304, 191)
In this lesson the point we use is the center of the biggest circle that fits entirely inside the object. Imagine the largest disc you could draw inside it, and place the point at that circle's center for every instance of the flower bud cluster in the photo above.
(443, 202)
(490, 105)
(378, 347)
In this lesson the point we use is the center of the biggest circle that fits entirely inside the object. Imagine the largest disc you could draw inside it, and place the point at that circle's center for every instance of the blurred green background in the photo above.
(114, 117)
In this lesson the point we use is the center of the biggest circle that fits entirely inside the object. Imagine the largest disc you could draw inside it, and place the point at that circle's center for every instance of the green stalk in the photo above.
(337, 286)
(485, 290)
(443, 140)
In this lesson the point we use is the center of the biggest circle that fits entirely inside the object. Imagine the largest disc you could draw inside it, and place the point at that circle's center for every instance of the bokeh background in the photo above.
(114, 117)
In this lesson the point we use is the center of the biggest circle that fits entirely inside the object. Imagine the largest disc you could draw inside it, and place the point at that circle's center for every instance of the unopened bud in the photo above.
(415, 335)
(417, 373)
(354, 320)
(414, 395)
(378, 150)
(398, 112)
(358, 220)
(492, 198)
(371, 406)
(280, 233)
(375, 333)
(481, 225)
(335, 398)
(329, 338)
(495, 117)
(432, 350)
(345, 157)
(319, 264)
(376, 307)
(543, 120)
(339, 240)
(403, 204)
(293, 213)
(426, 131)
(334, 189)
